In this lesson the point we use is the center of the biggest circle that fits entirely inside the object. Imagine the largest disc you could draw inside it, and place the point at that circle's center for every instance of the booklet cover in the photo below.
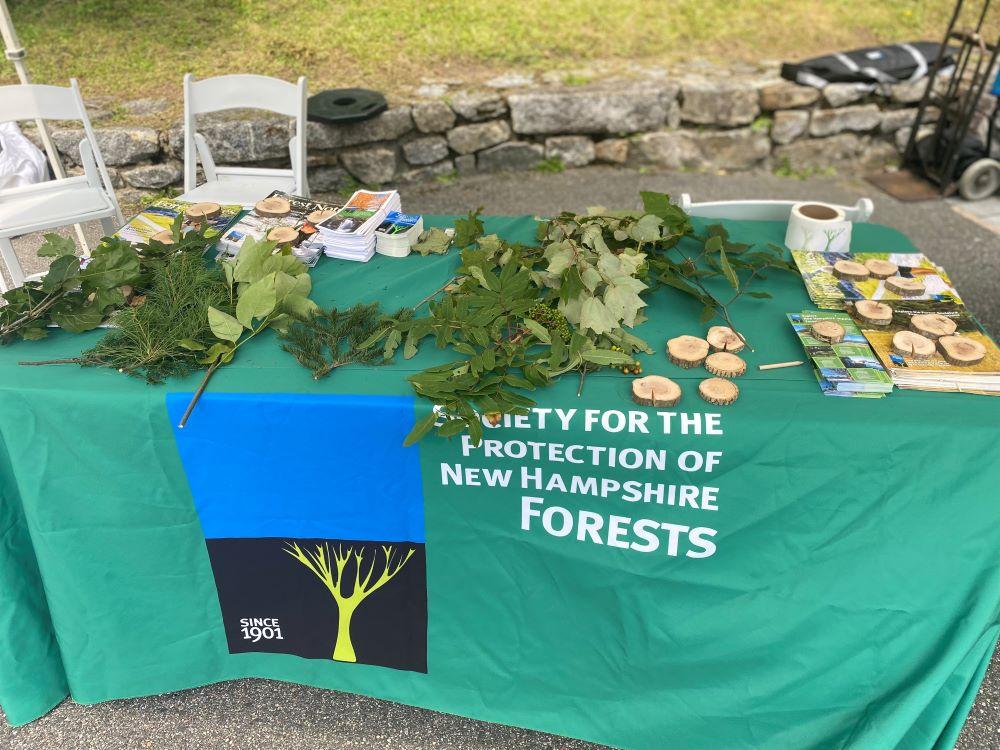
(934, 372)
(159, 216)
(847, 368)
(828, 291)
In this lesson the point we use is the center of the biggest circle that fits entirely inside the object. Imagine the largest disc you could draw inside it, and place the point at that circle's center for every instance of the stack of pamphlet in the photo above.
(910, 276)
(157, 219)
(932, 346)
(397, 234)
(847, 367)
(350, 233)
(288, 219)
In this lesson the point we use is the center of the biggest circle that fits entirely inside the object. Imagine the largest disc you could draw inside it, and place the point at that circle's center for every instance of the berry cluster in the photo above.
(633, 369)
(551, 318)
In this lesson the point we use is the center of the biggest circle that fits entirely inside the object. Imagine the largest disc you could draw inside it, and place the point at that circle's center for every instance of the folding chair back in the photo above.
(56, 203)
(749, 210)
(243, 92)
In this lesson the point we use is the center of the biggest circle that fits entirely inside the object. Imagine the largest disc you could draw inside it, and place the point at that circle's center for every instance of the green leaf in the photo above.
(256, 301)
(56, 246)
(468, 230)
(647, 229)
(77, 318)
(218, 352)
(539, 331)
(728, 271)
(421, 428)
(191, 345)
(63, 273)
(114, 266)
(759, 295)
(707, 313)
(594, 316)
(607, 357)
(434, 240)
(451, 428)
(250, 260)
(223, 325)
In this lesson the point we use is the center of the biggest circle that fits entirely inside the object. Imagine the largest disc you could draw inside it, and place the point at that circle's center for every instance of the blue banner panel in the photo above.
(302, 466)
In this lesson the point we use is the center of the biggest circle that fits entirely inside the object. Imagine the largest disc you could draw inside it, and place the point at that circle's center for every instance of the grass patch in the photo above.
(126, 49)
(552, 165)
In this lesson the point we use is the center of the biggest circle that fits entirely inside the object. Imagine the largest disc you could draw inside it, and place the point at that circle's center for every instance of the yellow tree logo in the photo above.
(330, 568)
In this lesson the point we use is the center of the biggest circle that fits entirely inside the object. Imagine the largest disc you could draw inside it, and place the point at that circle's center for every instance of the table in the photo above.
(832, 580)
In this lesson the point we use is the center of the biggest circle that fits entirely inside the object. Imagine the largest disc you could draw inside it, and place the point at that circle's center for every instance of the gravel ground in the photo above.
(263, 714)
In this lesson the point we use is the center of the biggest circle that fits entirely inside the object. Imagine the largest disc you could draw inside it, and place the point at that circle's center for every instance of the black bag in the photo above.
(894, 63)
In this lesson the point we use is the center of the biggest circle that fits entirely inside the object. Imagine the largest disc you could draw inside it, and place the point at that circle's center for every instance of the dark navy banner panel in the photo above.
(314, 522)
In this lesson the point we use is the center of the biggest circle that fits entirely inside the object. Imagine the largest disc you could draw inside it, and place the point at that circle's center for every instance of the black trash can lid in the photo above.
(345, 105)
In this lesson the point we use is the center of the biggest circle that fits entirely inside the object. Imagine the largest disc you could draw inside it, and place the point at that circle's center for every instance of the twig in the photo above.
(435, 293)
(583, 375)
(197, 394)
(776, 365)
(67, 361)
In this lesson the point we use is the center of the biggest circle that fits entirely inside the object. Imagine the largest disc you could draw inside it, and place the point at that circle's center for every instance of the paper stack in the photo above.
(397, 234)
(833, 279)
(350, 233)
(931, 346)
(845, 364)
(157, 219)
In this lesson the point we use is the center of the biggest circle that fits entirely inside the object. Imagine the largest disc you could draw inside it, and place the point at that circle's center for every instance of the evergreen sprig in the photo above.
(334, 338)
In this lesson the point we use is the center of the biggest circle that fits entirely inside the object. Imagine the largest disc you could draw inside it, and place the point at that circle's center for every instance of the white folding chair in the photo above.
(242, 185)
(56, 203)
(859, 213)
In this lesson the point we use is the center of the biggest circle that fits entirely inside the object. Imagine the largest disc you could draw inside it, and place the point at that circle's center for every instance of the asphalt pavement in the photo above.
(263, 714)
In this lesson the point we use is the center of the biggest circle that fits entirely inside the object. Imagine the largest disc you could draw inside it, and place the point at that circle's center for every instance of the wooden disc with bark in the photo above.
(910, 344)
(654, 390)
(828, 330)
(166, 237)
(718, 391)
(872, 312)
(200, 212)
(881, 269)
(961, 351)
(687, 351)
(850, 270)
(320, 214)
(283, 235)
(904, 286)
(724, 339)
(273, 207)
(933, 325)
(725, 365)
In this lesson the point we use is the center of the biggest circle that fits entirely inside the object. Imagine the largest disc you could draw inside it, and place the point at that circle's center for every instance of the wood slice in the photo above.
(724, 339)
(687, 351)
(718, 391)
(881, 269)
(166, 237)
(200, 212)
(905, 287)
(273, 208)
(320, 214)
(283, 235)
(910, 344)
(725, 365)
(828, 330)
(873, 313)
(932, 325)
(850, 270)
(654, 390)
(961, 351)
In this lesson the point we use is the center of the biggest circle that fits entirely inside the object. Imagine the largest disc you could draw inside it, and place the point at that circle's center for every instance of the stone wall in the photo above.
(717, 120)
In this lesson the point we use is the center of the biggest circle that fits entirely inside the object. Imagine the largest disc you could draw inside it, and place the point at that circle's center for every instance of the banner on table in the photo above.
(313, 519)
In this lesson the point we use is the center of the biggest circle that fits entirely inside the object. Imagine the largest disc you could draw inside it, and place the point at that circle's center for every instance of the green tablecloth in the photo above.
(851, 600)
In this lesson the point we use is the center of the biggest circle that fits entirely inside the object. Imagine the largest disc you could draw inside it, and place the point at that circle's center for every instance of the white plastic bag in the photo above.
(21, 163)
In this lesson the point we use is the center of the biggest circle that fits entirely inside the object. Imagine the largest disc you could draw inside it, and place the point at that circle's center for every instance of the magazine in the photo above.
(350, 233)
(829, 292)
(933, 372)
(159, 216)
(304, 212)
(845, 368)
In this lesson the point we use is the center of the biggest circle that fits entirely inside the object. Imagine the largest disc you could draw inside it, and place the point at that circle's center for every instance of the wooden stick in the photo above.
(776, 365)
(197, 395)
(69, 361)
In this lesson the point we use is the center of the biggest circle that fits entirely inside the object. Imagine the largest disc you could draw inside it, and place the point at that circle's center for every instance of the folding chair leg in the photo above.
(108, 226)
(13, 264)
